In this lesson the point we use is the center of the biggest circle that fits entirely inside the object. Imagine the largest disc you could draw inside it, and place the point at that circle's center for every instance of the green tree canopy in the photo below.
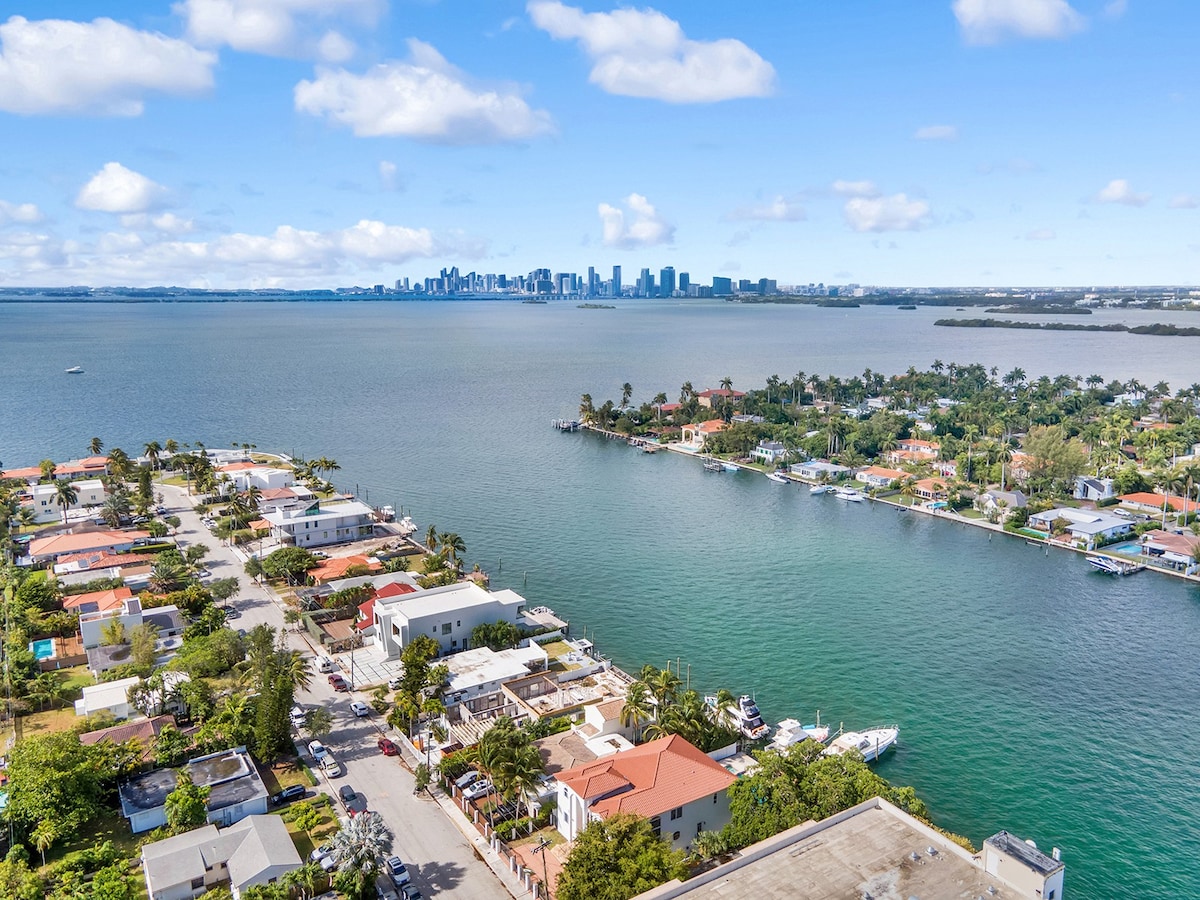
(616, 859)
(290, 563)
(187, 805)
(56, 779)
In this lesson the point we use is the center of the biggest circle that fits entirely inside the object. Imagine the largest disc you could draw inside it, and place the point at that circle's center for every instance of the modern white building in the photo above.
(1083, 525)
(244, 476)
(89, 494)
(113, 697)
(474, 673)
(819, 470)
(769, 452)
(316, 525)
(257, 850)
(670, 782)
(447, 614)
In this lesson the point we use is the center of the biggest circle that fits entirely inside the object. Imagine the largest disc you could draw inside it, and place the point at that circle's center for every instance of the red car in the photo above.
(387, 746)
(338, 682)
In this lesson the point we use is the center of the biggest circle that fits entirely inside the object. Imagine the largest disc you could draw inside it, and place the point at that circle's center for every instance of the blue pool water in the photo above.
(1128, 548)
(43, 649)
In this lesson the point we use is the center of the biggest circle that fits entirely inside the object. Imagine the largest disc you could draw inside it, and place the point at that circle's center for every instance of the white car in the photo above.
(331, 767)
(318, 750)
(394, 683)
(360, 709)
(481, 788)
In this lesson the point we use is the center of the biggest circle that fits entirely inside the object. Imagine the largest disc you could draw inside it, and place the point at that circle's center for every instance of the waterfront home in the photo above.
(1085, 526)
(243, 476)
(947, 468)
(667, 410)
(712, 395)
(236, 790)
(1178, 551)
(769, 452)
(1149, 502)
(599, 734)
(879, 476)
(913, 450)
(819, 470)
(448, 614)
(90, 467)
(256, 850)
(1001, 503)
(43, 501)
(318, 525)
(49, 549)
(879, 845)
(97, 601)
(335, 569)
(670, 782)
(695, 435)
(932, 489)
(1093, 489)
(480, 672)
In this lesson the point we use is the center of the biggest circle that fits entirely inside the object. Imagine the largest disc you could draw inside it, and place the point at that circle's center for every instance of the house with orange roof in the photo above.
(915, 450)
(712, 395)
(49, 549)
(1154, 503)
(931, 489)
(336, 568)
(697, 433)
(669, 781)
(97, 601)
(879, 476)
(1179, 551)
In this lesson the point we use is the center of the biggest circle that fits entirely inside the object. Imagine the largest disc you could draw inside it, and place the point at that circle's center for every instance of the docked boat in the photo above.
(790, 732)
(713, 465)
(776, 477)
(871, 743)
(818, 489)
(387, 514)
(75, 370)
(1110, 566)
(848, 493)
(730, 467)
(744, 716)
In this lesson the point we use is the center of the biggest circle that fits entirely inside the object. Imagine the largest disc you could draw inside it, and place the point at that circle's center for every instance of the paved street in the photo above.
(440, 858)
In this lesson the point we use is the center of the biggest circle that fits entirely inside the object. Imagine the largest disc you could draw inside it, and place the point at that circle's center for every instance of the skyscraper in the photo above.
(685, 282)
(616, 284)
(666, 282)
(591, 283)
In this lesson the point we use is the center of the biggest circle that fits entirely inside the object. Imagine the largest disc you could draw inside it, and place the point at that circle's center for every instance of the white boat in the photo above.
(848, 493)
(1110, 566)
(790, 731)
(730, 467)
(744, 716)
(406, 526)
(776, 477)
(75, 370)
(818, 489)
(871, 743)
(387, 513)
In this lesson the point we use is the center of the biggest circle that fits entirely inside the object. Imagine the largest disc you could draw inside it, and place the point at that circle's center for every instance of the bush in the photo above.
(1107, 501)
(1188, 519)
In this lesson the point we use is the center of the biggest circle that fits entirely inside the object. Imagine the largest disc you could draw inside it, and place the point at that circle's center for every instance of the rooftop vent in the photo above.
(914, 856)
(991, 889)
(931, 850)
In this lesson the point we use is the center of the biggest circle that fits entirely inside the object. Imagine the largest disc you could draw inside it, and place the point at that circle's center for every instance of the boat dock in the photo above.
(1111, 565)
(567, 425)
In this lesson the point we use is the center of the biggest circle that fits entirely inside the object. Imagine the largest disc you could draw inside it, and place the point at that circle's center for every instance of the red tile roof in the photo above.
(1145, 498)
(648, 780)
(721, 392)
(366, 612)
(238, 467)
(104, 600)
(333, 569)
(395, 589)
(883, 472)
(59, 544)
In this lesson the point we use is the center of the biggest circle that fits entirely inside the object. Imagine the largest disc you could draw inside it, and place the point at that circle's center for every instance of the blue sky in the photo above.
(318, 143)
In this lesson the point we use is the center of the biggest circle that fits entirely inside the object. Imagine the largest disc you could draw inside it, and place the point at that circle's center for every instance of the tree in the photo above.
(113, 633)
(187, 805)
(1054, 459)
(617, 858)
(171, 746)
(143, 641)
(152, 452)
(637, 708)
(223, 588)
(96, 446)
(359, 846)
(453, 546)
(626, 393)
(496, 636)
(291, 563)
(113, 883)
(65, 496)
(305, 816)
(56, 779)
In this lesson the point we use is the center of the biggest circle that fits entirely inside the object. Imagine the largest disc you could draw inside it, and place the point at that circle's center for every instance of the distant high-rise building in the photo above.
(591, 282)
(645, 284)
(616, 281)
(722, 287)
(685, 282)
(666, 282)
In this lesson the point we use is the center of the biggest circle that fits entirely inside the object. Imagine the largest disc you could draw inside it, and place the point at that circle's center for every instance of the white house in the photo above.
(670, 782)
(113, 697)
(769, 452)
(1093, 488)
(1001, 503)
(474, 673)
(819, 470)
(235, 790)
(256, 850)
(447, 614)
(315, 525)
(89, 494)
(1084, 525)
(244, 476)
(879, 476)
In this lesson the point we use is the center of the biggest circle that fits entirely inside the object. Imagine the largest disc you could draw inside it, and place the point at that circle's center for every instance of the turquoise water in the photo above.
(1032, 694)
(43, 649)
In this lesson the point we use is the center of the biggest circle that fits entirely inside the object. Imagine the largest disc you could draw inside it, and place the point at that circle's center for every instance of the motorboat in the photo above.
(387, 513)
(406, 526)
(1110, 566)
(744, 716)
(730, 467)
(790, 732)
(818, 489)
(75, 370)
(777, 478)
(848, 493)
(871, 743)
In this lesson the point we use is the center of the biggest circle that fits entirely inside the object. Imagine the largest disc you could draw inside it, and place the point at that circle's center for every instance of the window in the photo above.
(447, 628)
(454, 643)
(677, 813)
(656, 825)
(675, 836)
(197, 883)
(458, 624)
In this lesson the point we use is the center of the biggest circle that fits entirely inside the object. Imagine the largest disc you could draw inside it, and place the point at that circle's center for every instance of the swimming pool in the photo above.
(1128, 548)
(43, 649)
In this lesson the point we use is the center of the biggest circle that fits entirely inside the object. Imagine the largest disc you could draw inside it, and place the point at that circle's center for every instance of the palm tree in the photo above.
(118, 464)
(171, 446)
(453, 546)
(152, 451)
(626, 393)
(727, 383)
(637, 708)
(587, 409)
(664, 685)
(48, 467)
(431, 539)
(65, 496)
(96, 446)
(686, 392)
(659, 399)
(359, 846)
(294, 668)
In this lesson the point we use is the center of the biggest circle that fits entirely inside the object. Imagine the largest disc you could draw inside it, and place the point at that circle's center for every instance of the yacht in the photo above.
(871, 743)
(777, 478)
(790, 731)
(75, 370)
(744, 716)
(818, 489)
(848, 493)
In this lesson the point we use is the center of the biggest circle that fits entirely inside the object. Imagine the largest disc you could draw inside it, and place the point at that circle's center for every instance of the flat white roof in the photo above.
(441, 600)
(479, 666)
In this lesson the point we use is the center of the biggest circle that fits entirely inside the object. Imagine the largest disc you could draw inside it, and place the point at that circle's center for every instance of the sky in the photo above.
(324, 143)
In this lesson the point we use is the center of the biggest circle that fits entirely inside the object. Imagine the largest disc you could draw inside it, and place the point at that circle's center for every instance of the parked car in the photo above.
(410, 892)
(298, 715)
(480, 788)
(394, 682)
(360, 709)
(294, 792)
(232, 612)
(325, 664)
(385, 890)
(321, 852)
(203, 573)
(396, 869)
(338, 683)
(347, 793)
(331, 767)
(318, 750)
(467, 779)
(329, 863)
(387, 746)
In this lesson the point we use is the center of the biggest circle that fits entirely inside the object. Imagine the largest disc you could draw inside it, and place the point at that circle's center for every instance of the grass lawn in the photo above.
(284, 773)
(550, 833)
(46, 722)
(109, 826)
(970, 514)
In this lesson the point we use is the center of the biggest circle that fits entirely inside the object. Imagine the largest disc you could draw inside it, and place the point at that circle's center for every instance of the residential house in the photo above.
(256, 850)
(97, 601)
(315, 525)
(94, 627)
(879, 476)
(599, 734)
(1093, 489)
(481, 671)
(335, 569)
(932, 489)
(1146, 501)
(1001, 503)
(670, 782)
(914, 450)
(710, 397)
(235, 790)
(244, 476)
(144, 731)
(447, 614)
(695, 435)
(769, 452)
(1178, 551)
(746, 419)
(112, 697)
(819, 470)
(1088, 527)
(89, 494)
(49, 549)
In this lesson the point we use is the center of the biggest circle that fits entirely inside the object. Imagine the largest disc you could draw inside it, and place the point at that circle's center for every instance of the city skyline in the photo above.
(294, 144)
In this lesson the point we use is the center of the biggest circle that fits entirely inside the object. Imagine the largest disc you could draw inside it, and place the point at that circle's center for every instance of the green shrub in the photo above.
(1107, 501)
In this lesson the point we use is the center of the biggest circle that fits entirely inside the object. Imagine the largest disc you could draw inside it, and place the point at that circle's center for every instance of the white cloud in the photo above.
(937, 133)
(991, 21)
(892, 213)
(289, 28)
(1184, 201)
(389, 176)
(643, 53)
(781, 209)
(855, 188)
(1114, 9)
(102, 67)
(1041, 234)
(426, 99)
(1119, 191)
(638, 225)
(116, 189)
(166, 223)
(21, 213)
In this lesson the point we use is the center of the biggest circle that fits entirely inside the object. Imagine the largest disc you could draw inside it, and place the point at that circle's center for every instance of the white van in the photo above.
(331, 767)
(325, 664)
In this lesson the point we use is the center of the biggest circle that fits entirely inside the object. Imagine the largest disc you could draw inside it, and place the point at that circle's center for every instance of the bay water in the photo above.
(1033, 694)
